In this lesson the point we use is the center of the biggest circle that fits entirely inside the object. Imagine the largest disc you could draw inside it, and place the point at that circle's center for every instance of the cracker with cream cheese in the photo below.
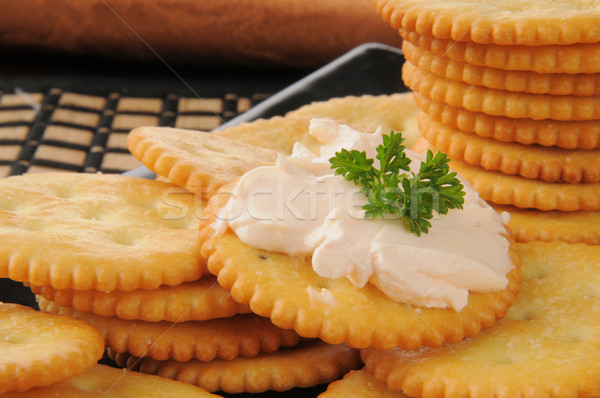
(243, 335)
(546, 346)
(288, 291)
(310, 363)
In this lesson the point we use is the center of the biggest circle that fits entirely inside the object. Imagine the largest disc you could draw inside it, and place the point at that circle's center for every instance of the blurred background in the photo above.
(294, 33)
(77, 75)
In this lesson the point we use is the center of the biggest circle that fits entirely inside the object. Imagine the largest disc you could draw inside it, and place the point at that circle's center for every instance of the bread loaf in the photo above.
(278, 32)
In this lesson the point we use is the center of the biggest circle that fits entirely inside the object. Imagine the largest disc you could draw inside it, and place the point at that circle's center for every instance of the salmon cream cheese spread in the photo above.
(299, 207)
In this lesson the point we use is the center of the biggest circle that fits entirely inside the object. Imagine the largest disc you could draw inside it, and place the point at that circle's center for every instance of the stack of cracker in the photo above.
(510, 92)
(122, 254)
(542, 347)
(48, 355)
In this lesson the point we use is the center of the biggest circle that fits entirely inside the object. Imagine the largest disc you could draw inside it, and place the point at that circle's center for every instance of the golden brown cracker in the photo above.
(95, 231)
(359, 317)
(192, 301)
(198, 161)
(498, 102)
(309, 364)
(564, 134)
(522, 192)
(101, 381)
(277, 133)
(359, 384)
(203, 162)
(568, 226)
(520, 22)
(227, 338)
(500, 79)
(39, 349)
(546, 346)
(395, 112)
(551, 164)
(574, 58)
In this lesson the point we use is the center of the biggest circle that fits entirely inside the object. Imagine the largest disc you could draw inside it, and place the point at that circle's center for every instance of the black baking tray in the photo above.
(372, 68)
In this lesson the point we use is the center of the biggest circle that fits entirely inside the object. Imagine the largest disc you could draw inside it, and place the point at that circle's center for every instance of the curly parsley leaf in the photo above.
(392, 189)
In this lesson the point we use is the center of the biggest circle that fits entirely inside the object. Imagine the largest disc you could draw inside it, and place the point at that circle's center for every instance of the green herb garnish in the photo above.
(412, 197)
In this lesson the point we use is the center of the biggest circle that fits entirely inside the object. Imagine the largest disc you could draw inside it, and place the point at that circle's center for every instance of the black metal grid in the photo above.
(67, 131)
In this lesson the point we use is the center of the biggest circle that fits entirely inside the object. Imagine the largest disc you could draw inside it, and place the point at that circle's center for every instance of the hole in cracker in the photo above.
(571, 339)
(528, 314)
(62, 192)
(538, 273)
(147, 202)
(93, 213)
(124, 238)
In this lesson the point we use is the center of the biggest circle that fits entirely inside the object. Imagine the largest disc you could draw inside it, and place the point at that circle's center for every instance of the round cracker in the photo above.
(254, 277)
(227, 338)
(39, 349)
(545, 347)
(266, 133)
(359, 384)
(193, 301)
(498, 102)
(309, 364)
(520, 22)
(564, 134)
(522, 192)
(549, 164)
(102, 381)
(198, 161)
(96, 231)
(500, 79)
(574, 58)
(529, 225)
(395, 112)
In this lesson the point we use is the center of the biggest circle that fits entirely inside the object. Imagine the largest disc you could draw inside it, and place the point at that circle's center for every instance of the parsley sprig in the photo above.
(394, 189)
